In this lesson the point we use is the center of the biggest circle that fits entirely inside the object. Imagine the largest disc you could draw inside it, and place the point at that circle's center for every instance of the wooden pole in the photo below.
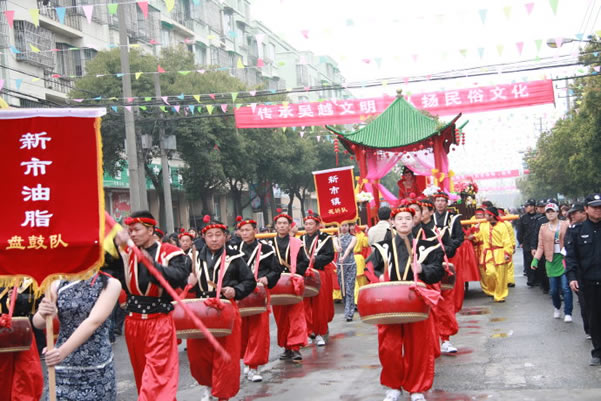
(331, 230)
(509, 217)
(49, 347)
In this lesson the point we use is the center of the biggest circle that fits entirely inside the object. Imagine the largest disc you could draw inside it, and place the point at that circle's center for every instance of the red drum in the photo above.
(220, 322)
(283, 293)
(18, 337)
(391, 302)
(255, 303)
(448, 281)
(312, 284)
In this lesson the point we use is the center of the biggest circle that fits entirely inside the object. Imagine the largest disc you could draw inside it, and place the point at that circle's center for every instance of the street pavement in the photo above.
(509, 351)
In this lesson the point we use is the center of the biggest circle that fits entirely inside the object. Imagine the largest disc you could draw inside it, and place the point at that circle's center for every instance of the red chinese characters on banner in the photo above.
(347, 111)
(52, 204)
(336, 195)
(485, 98)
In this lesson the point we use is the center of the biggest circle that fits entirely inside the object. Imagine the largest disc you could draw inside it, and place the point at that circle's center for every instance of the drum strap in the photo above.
(283, 262)
(257, 261)
(444, 252)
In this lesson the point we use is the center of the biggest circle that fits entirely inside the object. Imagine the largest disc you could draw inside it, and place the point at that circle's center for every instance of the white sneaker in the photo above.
(205, 393)
(447, 348)
(567, 318)
(393, 395)
(254, 376)
(309, 341)
(320, 341)
(417, 397)
(556, 314)
(246, 369)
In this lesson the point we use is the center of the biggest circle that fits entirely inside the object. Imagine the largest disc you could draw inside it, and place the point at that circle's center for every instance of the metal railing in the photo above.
(72, 19)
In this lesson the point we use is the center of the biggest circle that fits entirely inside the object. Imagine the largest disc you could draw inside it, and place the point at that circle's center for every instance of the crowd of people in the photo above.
(421, 240)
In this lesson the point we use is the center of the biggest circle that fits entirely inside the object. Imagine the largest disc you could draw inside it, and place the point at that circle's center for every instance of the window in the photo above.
(200, 54)
(165, 37)
(3, 27)
(214, 19)
(228, 20)
(302, 75)
(25, 34)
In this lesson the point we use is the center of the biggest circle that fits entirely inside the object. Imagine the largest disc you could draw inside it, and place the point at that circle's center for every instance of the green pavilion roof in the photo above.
(400, 125)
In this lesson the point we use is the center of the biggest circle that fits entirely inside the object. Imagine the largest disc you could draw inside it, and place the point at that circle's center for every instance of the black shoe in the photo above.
(511, 285)
(595, 361)
(349, 319)
(296, 356)
(287, 354)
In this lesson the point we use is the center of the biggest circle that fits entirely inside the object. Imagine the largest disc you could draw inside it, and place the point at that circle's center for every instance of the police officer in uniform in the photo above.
(526, 226)
(583, 268)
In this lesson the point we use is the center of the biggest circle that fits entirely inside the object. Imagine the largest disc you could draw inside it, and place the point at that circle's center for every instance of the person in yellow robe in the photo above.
(361, 252)
(496, 253)
(510, 266)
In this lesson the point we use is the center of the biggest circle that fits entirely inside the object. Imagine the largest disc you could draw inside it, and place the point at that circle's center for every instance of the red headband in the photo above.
(147, 221)
(184, 234)
(312, 216)
(159, 231)
(247, 221)
(491, 213)
(215, 225)
(402, 209)
(282, 214)
(440, 195)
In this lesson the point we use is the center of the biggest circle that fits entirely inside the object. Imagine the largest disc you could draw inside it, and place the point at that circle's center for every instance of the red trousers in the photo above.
(210, 369)
(317, 309)
(330, 279)
(459, 290)
(444, 314)
(152, 347)
(254, 338)
(292, 325)
(406, 356)
(21, 375)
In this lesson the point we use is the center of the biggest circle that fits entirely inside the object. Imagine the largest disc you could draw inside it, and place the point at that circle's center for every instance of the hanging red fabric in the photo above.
(6, 319)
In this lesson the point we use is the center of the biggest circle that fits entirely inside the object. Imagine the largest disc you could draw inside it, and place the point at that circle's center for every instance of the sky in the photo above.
(383, 39)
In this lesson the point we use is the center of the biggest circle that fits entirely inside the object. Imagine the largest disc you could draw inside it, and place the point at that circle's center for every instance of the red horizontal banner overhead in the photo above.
(485, 98)
(349, 111)
(53, 202)
(491, 175)
(336, 195)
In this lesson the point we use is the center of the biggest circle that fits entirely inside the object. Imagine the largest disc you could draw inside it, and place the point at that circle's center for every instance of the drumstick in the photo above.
(110, 222)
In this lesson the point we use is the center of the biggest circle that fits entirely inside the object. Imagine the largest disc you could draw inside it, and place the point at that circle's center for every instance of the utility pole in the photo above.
(137, 197)
(167, 201)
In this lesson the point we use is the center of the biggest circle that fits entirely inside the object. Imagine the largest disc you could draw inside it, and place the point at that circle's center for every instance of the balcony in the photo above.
(51, 81)
(72, 19)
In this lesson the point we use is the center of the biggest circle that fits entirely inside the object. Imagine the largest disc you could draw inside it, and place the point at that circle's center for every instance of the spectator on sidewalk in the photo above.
(378, 232)
(551, 246)
(525, 228)
(577, 215)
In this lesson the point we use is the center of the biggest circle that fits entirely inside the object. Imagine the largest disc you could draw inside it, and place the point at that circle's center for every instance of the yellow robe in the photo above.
(496, 246)
(510, 266)
(361, 280)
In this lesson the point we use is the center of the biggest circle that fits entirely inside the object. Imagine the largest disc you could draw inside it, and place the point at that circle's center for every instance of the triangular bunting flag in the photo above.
(500, 49)
(138, 75)
(539, 43)
(199, 108)
(414, 57)
(170, 4)
(143, 108)
(163, 109)
(318, 137)
(196, 97)
(35, 16)
(1, 84)
(191, 108)
(224, 108)
(301, 133)
(260, 62)
(234, 96)
(77, 100)
(88, 10)
(143, 7)
(579, 36)
(128, 108)
(160, 69)
(529, 7)
(210, 108)
(558, 42)
(10, 17)
(181, 96)
(252, 93)
(238, 105)
(259, 37)
(284, 129)
(18, 83)
(553, 4)
(463, 52)
(112, 8)
(114, 108)
(520, 46)
(184, 73)
(176, 108)
(305, 33)
(253, 107)
(164, 99)
(481, 52)
(507, 11)
(240, 63)
(212, 96)
(147, 99)
(119, 75)
(34, 49)
(483, 13)
(130, 99)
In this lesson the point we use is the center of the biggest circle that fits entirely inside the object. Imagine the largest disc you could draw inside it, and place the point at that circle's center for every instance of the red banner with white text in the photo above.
(52, 200)
(336, 195)
(485, 98)
(331, 112)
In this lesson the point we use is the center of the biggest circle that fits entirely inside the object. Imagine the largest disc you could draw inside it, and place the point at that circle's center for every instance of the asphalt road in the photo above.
(509, 351)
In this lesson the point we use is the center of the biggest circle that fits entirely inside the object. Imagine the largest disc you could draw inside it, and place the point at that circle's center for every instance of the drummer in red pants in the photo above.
(290, 319)
(319, 248)
(218, 377)
(20, 372)
(255, 329)
(406, 357)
